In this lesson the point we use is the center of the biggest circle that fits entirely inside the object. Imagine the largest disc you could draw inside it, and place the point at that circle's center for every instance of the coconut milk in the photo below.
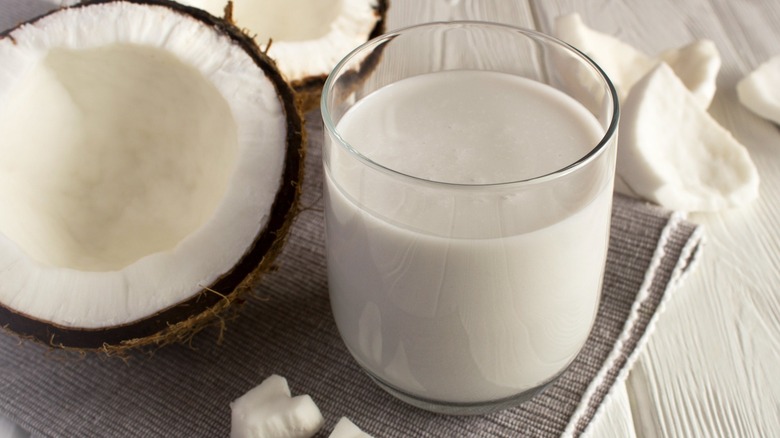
(455, 292)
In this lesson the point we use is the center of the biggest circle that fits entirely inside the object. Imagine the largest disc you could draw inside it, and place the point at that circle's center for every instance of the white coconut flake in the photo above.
(347, 429)
(697, 63)
(269, 411)
(229, 164)
(672, 152)
(623, 64)
(759, 91)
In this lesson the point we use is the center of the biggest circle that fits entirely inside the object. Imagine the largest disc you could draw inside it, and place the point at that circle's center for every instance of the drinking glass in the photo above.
(469, 170)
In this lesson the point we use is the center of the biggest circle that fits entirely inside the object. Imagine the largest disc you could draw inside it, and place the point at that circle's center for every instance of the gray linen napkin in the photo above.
(286, 328)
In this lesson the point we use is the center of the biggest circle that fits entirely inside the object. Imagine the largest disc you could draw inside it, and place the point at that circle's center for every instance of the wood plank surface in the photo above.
(615, 419)
(404, 13)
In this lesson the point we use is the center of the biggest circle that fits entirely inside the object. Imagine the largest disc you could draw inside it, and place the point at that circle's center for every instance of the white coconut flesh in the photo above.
(142, 152)
(309, 37)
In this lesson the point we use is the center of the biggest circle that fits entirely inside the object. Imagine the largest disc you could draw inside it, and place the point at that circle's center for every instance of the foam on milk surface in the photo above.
(459, 314)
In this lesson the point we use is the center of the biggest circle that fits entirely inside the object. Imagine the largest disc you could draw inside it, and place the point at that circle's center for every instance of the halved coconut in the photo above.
(151, 163)
(306, 38)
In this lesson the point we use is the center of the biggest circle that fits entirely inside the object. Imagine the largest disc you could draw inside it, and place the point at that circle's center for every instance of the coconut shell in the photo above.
(206, 307)
(309, 89)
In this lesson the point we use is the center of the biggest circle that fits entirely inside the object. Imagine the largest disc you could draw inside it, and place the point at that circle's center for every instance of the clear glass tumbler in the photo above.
(469, 170)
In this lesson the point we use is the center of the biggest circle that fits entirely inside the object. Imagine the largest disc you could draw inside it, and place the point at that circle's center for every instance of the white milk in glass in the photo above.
(465, 289)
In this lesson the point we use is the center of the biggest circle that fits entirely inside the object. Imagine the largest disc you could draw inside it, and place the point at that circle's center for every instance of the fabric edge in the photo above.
(686, 261)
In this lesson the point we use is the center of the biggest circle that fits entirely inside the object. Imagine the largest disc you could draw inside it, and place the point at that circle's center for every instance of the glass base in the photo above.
(449, 408)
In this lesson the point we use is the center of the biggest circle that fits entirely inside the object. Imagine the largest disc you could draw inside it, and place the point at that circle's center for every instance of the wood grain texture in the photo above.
(404, 13)
(615, 419)
(710, 367)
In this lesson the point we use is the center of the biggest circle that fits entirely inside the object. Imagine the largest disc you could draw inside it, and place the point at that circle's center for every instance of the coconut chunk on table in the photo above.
(672, 152)
(623, 63)
(269, 411)
(697, 63)
(759, 91)
(347, 429)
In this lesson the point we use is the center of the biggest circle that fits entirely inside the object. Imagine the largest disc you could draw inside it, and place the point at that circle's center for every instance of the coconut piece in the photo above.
(672, 152)
(306, 38)
(759, 91)
(623, 64)
(152, 158)
(269, 411)
(697, 64)
(347, 429)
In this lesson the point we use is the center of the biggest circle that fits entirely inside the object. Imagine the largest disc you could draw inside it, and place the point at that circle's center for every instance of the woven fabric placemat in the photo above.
(286, 328)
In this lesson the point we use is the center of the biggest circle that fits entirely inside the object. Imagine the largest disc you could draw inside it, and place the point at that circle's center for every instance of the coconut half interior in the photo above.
(291, 21)
(140, 161)
(100, 172)
(309, 36)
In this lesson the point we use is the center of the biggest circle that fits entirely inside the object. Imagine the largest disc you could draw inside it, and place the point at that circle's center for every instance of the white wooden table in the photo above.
(711, 367)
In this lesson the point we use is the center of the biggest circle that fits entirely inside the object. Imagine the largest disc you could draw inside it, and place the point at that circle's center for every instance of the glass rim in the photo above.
(380, 40)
